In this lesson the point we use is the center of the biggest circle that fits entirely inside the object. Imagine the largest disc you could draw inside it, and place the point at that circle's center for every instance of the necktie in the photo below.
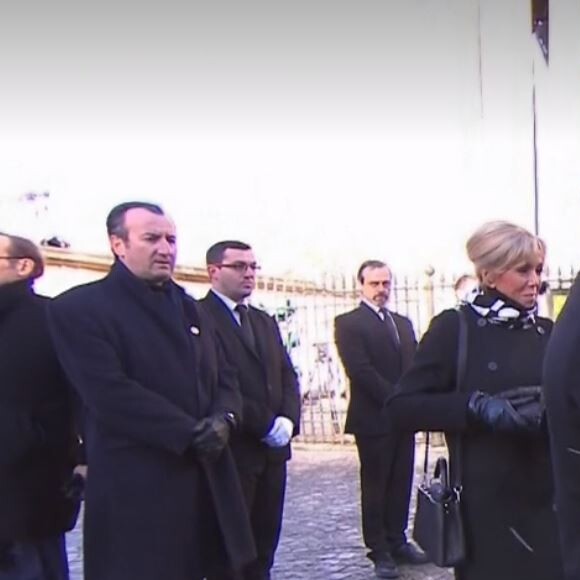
(245, 324)
(388, 320)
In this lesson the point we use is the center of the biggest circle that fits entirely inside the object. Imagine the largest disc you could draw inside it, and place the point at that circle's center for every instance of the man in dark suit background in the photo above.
(376, 346)
(37, 443)
(269, 386)
(163, 499)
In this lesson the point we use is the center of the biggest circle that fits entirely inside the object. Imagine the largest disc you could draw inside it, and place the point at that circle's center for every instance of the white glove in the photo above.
(281, 432)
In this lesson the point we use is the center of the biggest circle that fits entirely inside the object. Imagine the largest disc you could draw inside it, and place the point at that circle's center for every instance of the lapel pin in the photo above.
(194, 330)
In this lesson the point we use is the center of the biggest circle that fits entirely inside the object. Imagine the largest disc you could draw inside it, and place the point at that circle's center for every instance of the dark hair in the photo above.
(215, 254)
(373, 264)
(25, 248)
(116, 217)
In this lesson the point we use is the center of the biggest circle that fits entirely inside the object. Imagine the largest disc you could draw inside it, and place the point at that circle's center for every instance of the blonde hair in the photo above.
(499, 246)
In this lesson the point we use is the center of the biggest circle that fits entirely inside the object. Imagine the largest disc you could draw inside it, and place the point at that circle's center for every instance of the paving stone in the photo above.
(321, 534)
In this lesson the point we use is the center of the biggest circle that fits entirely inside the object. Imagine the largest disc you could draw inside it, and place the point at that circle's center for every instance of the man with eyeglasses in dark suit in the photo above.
(270, 394)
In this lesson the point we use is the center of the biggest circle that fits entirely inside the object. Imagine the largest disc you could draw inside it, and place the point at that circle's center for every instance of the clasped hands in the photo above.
(497, 413)
(210, 437)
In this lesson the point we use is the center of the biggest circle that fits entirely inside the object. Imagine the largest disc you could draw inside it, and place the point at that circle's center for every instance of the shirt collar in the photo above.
(372, 306)
(231, 304)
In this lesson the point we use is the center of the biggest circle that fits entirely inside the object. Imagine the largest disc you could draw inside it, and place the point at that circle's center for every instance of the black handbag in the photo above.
(438, 526)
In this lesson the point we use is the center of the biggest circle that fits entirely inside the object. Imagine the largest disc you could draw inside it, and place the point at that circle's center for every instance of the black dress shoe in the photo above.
(408, 553)
(385, 567)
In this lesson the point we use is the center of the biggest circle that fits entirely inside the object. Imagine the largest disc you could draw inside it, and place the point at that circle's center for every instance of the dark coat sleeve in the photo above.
(23, 432)
(350, 342)
(562, 392)
(410, 331)
(290, 389)
(96, 371)
(258, 418)
(18, 433)
(562, 360)
(227, 398)
(425, 399)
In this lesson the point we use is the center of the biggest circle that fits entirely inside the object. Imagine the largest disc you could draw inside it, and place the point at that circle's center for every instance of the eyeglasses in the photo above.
(14, 257)
(240, 267)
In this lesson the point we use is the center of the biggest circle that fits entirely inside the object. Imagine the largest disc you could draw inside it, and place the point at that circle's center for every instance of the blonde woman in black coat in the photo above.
(507, 494)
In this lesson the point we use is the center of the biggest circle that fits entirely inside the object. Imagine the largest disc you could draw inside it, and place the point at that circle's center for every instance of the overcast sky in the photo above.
(321, 132)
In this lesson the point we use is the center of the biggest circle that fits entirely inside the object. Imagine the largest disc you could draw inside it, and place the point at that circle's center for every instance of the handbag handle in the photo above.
(441, 472)
(454, 440)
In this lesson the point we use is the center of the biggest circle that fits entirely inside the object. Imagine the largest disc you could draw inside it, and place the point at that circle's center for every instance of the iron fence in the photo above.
(306, 320)
(305, 312)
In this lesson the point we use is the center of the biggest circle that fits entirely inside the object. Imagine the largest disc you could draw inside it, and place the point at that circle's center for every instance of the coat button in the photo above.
(492, 366)
(541, 331)
(481, 322)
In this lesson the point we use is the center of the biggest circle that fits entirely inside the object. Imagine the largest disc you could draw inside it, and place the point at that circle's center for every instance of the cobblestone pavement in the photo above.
(321, 536)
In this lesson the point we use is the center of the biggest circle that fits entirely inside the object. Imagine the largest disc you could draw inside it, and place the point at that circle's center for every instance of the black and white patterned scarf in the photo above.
(496, 308)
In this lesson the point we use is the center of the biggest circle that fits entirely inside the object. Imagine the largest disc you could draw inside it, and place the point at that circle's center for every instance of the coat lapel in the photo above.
(167, 309)
(371, 317)
(194, 326)
(260, 332)
(227, 321)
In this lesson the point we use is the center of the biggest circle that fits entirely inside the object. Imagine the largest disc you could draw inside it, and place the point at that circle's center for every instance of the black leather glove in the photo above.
(210, 436)
(495, 413)
(74, 487)
(529, 404)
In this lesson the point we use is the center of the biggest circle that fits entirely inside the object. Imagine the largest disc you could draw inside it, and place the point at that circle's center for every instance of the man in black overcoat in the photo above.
(163, 500)
(270, 393)
(562, 392)
(376, 346)
(37, 443)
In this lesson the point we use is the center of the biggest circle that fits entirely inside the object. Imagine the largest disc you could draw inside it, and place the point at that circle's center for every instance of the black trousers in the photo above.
(386, 477)
(264, 488)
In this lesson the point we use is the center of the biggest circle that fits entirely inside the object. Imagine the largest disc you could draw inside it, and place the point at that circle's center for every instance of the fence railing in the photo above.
(305, 312)
(307, 324)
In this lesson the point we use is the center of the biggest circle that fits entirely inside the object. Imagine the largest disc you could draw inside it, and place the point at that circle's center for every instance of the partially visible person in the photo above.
(163, 499)
(37, 440)
(562, 384)
(464, 286)
(376, 346)
(546, 300)
(270, 394)
(507, 490)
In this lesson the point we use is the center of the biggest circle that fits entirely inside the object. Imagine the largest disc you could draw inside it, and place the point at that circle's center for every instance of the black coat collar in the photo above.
(364, 307)
(169, 305)
(120, 273)
(12, 294)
